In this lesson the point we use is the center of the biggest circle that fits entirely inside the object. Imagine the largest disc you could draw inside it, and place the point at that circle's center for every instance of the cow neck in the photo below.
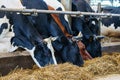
(82, 49)
(57, 20)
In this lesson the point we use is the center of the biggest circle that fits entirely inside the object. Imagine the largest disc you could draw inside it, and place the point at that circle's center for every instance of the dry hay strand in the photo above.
(65, 71)
(108, 64)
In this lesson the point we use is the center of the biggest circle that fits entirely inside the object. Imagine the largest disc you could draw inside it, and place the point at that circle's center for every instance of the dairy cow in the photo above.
(25, 34)
(110, 26)
(29, 33)
(66, 28)
(65, 49)
(88, 26)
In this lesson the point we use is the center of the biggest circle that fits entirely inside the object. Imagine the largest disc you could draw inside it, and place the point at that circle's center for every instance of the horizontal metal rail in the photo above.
(72, 13)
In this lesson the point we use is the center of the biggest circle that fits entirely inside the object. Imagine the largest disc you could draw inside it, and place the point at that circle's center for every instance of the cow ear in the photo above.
(53, 38)
(80, 34)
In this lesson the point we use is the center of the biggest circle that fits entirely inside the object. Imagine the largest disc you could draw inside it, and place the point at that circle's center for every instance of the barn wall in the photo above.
(11, 61)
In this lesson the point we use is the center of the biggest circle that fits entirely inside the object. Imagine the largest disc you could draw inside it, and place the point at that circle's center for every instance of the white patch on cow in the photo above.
(11, 3)
(80, 34)
(6, 36)
(49, 45)
(56, 4)
(32, 55)
(110, 31)
(4, 45)
(78, 37)
(13, 48)
(93, 22)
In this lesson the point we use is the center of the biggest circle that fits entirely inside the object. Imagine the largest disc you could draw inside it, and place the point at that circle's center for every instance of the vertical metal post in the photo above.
(68, 6)
(99, 19)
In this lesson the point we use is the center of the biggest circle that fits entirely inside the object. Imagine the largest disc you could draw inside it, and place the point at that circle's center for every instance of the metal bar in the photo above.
(99, 19)
(73, 13)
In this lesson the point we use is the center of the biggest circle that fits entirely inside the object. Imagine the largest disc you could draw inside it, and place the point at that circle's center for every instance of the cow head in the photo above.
(70, 53)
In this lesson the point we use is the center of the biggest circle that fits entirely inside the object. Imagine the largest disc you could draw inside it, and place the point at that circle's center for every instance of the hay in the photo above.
(108, 64)
(65, 71)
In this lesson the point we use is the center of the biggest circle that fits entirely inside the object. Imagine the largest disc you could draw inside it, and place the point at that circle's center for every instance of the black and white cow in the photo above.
(88, 26)
(111, 26)
(67, 51)
(25, 34)
(68, 32)
(29, 33)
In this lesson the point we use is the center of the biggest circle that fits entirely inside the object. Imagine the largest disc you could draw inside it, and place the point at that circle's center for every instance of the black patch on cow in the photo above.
(3, 6)
(3, 26)
(42, 55)
(108, 21)
(70, 53)
(2, 14)
(22, 42)
(82, 5)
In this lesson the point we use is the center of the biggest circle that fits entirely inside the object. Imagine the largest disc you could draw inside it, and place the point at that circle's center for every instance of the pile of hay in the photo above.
(60, 72)
(108, 64)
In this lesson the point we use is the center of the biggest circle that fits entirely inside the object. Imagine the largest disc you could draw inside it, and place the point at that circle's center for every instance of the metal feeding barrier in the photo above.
(72, 13)
(34, 12)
